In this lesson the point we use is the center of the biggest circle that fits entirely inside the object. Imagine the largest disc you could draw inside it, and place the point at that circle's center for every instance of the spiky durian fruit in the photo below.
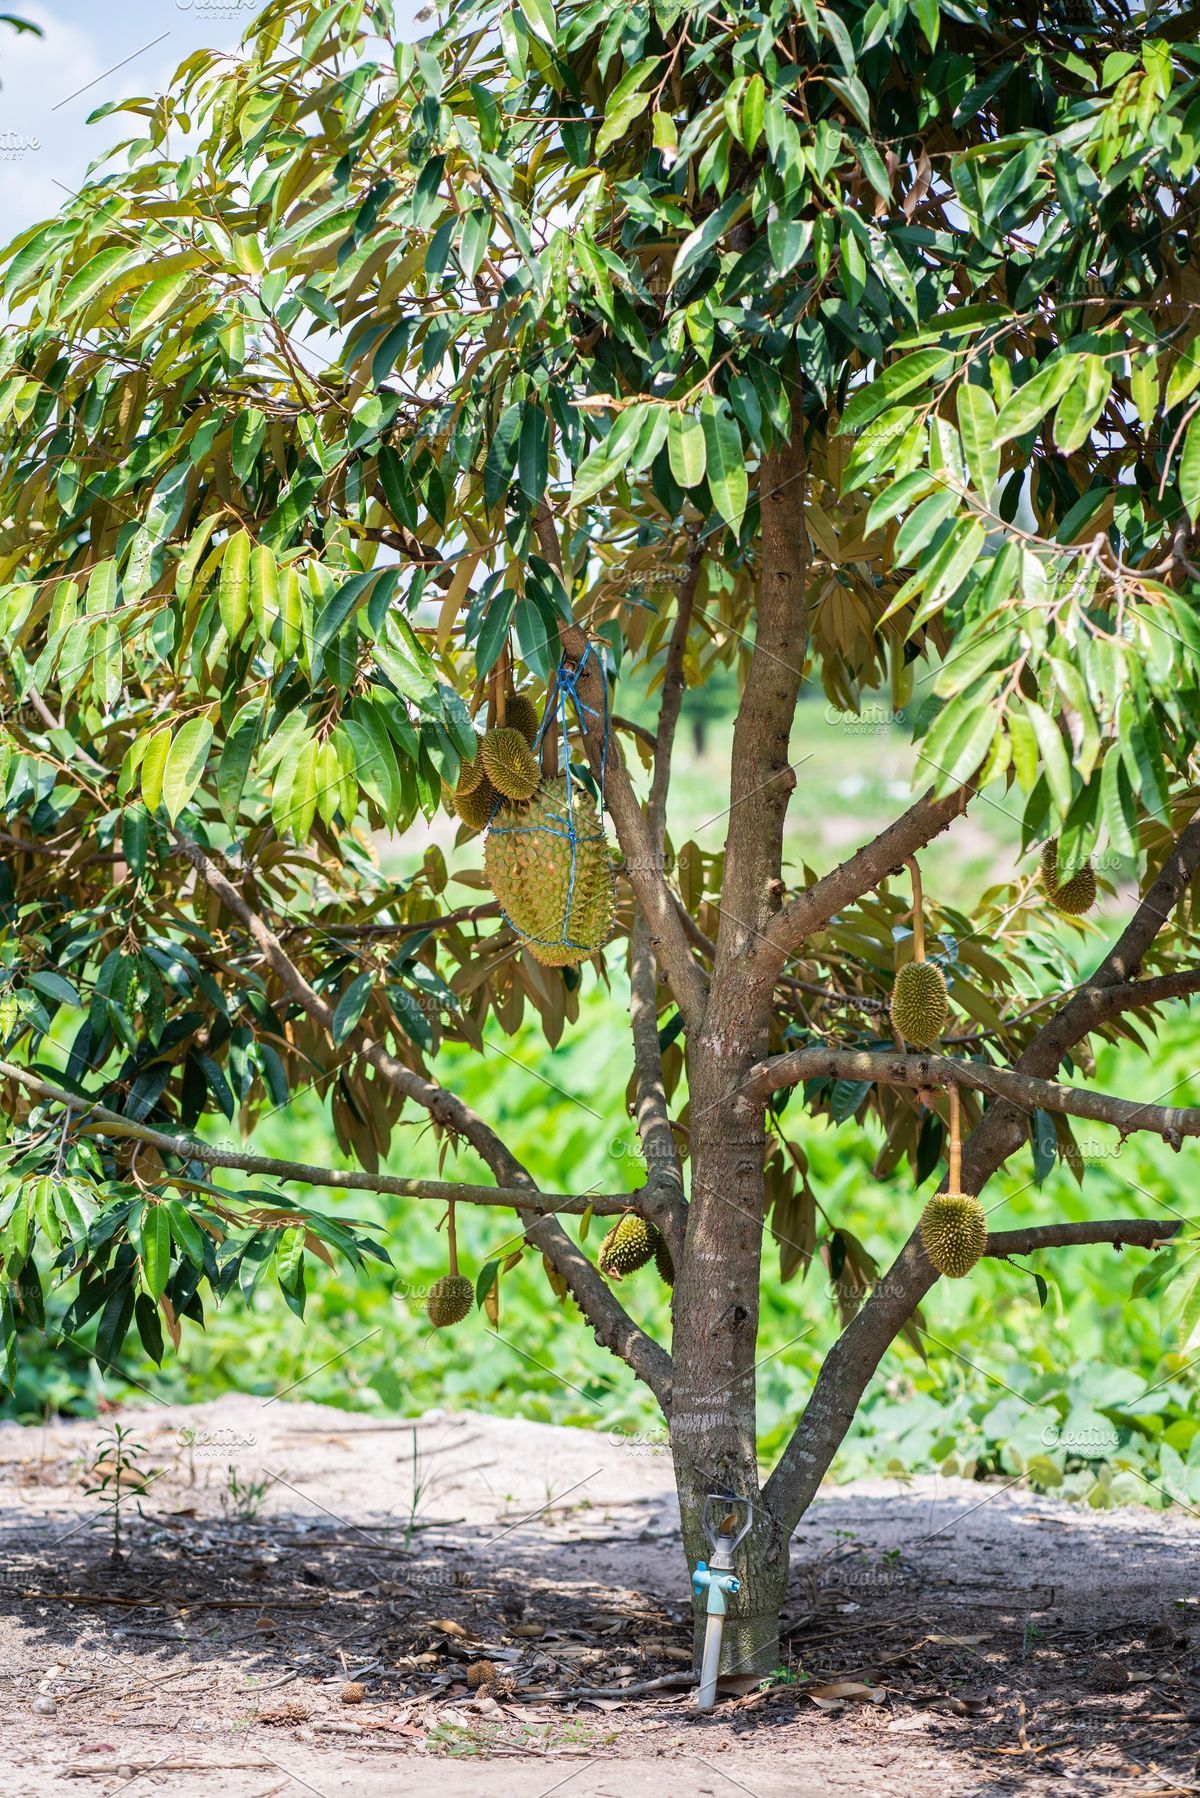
(919, 1003)
(470, 775)
(528, 862)
(449, 1301)
(954, 1232)
(481, 1673)
(476, 805)
(629, 1245)
(664, 1263)
(521, 714)
(1076, 894)
(509, 763)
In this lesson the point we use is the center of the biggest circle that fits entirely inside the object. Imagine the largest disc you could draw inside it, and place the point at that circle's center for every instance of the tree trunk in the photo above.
(713, 1413)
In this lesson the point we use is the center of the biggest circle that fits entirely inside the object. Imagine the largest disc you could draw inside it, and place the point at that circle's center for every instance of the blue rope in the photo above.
(566, 686)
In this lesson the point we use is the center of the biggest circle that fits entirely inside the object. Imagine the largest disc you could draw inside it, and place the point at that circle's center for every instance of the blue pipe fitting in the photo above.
(716, 1583)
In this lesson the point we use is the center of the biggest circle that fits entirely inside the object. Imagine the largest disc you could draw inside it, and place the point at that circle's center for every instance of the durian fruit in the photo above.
(476, 804)
(470, 775)
(509, 763)
(629, 1245)
(919, 1003)
(664, 1263)
(521, 714)
(449, 1301)
(481, 1673)
(954, 1233)
(527, 861)
(1077, 894)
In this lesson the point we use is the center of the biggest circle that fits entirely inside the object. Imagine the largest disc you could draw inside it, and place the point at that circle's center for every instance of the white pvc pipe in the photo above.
(714, 1629)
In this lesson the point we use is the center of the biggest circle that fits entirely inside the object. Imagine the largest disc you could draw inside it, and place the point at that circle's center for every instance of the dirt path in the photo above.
(942, 1637)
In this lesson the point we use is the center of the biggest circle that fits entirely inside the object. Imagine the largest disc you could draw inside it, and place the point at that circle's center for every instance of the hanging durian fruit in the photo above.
(1076, 894)
(629, 1245)
(475, 804)
(509, 763)
(521, 714)
(953, 1224)
(664, 1263)
(547, 863)
(449, 1299)
(919, 1002)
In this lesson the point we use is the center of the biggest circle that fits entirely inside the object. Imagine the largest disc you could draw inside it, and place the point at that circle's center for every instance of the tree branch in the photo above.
(643, 864)
(1024, 1091)
(613, 1327)
(346, 1180)
(811, 910)
(653, 1114)
(1141, 1232)
(189, 1148)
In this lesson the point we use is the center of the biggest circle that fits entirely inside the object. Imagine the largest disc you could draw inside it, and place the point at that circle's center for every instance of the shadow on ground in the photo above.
(940, 1636)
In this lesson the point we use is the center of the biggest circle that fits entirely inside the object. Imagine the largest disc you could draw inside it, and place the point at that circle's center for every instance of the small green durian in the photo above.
(449, 1300)
(476, 805)
(919, 1003)
(509, 763)
(954, 1233)
(629, 1245)
(664, 1263)
(521, 714)
(470, 775)
(1076, 894)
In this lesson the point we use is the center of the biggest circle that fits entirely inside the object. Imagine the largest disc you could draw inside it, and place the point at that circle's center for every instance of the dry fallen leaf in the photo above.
(448, 1626)
(530, 1630)
(843, 1688)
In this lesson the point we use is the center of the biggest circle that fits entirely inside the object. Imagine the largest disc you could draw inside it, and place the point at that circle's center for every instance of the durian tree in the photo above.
(373, 395)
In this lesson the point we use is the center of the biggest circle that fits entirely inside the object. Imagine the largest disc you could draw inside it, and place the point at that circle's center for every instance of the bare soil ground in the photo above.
(941, 1637)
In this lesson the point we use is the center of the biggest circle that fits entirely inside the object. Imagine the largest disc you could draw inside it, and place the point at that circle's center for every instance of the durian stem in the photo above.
(550, 734)
(955, 1141)
(918, 917)
(452, 1235)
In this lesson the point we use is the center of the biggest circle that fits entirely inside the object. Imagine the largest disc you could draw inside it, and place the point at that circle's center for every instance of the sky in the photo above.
(91, 53)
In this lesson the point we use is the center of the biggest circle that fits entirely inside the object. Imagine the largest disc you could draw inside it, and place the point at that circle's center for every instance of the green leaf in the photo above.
(1082, 404)
(726, 462)
(1053, 753)
(626, 103)
(1189, 470)
(697, 243)
(1026, 408)
(977, 428)
(154, 1247)
(188, 1236)
(685, 448)
(233, 597)
(539, 16)
(184, 765)
(236, 756)
(351, 1006)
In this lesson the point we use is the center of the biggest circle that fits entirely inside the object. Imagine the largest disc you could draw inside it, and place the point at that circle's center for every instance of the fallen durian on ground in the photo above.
(561, 903)
(919, 1003)
(1076, 894)
(629, 1245)
(509, 763)
(449, 1301)
(953, 1233)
